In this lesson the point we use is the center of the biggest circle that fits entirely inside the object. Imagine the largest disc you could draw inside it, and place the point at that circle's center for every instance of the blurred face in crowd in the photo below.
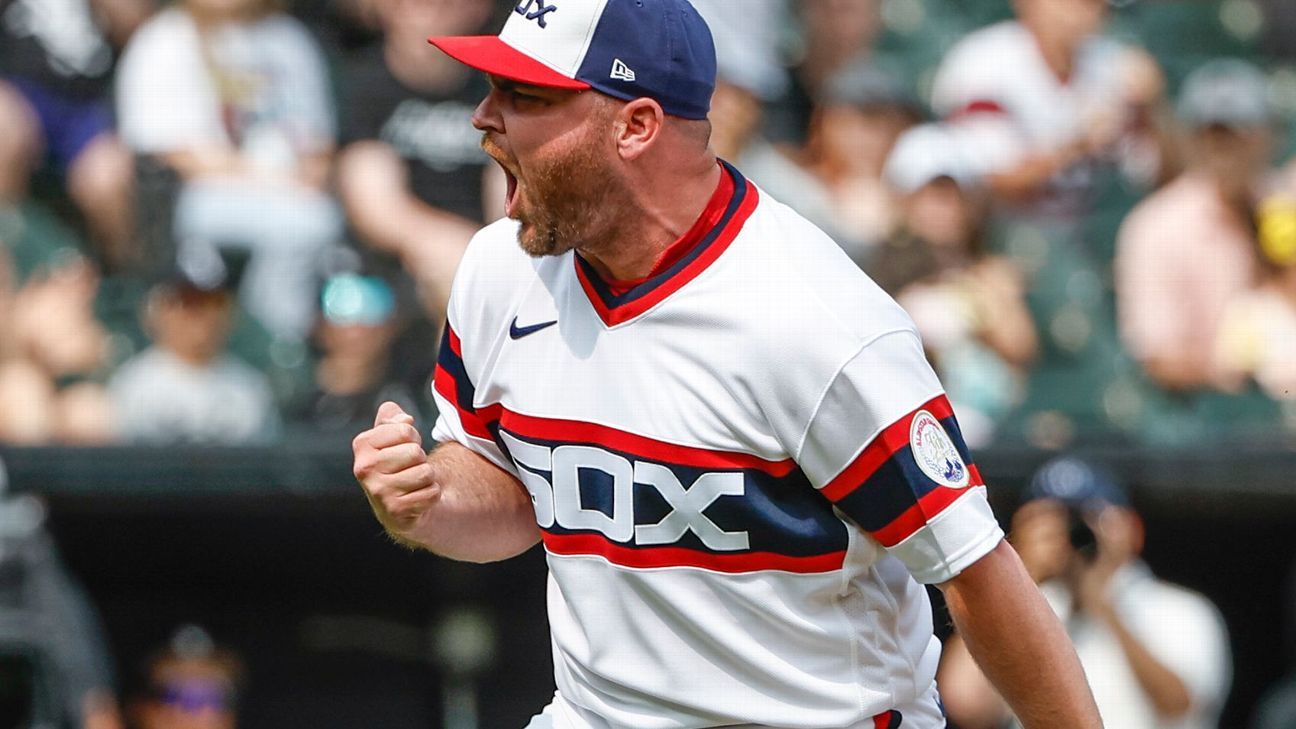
(840, 29)
(942, 214)
(1062, 23)
(422, 18)
(859, 139)
(1057, 542)
(557, 151)
(194, 325)
(189, 694)
(736, 115)
(1233, 156)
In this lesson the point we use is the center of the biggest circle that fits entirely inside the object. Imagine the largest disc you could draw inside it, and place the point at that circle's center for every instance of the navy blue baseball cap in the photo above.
(627, 49)
(1076, 483)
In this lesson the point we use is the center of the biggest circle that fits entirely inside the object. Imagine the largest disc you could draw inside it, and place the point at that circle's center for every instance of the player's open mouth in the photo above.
(511, 195)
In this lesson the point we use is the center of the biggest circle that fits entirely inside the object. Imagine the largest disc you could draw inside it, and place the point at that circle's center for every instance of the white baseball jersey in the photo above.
(739, 465)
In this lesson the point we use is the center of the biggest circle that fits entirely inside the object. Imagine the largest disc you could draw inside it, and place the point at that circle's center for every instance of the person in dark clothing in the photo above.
(56, 65)
(54, 664)
(412, 177)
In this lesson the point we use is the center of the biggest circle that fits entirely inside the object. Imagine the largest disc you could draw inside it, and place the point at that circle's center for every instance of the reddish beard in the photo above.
(565, 202)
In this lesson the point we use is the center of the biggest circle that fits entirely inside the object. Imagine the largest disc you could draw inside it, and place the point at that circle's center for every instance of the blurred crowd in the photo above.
(226, 221)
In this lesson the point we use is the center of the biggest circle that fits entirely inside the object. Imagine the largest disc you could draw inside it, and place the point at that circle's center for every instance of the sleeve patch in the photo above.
(911, 472)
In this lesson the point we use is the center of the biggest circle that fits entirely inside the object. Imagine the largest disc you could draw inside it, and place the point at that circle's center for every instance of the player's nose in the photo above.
(486, 117)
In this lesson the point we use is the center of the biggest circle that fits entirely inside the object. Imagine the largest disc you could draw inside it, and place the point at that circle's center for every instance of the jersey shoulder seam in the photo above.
(823, 393)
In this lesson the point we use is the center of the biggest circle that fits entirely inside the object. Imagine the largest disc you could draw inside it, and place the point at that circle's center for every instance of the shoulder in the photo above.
(494, 272)
(984, 50)
(169, 28)
(142, 373)
(1175, 206)
(808, 285)
(1173, 609)
(493, 255)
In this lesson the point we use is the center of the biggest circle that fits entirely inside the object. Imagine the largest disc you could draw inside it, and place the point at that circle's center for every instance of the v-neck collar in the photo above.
(684, 260)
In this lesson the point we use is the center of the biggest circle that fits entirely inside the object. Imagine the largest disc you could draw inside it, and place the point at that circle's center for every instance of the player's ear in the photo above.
(638, 125)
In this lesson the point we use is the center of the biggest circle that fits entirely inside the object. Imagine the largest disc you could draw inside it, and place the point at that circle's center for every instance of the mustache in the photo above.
(493, 149)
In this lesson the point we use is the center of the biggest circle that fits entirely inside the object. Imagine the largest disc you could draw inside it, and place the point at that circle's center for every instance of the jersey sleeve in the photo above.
(462, 415)
(884, 447)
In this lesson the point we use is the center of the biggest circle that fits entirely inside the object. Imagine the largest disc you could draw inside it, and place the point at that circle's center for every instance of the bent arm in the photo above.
(482, 514)
(1015, 638)
(452, 502)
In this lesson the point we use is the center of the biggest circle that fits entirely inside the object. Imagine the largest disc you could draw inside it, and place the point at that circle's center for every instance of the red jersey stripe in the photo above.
(917, 516)
(893, 438)
(571, 431)
(650, 557)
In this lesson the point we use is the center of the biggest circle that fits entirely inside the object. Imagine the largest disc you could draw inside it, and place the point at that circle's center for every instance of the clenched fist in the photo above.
(393, 468)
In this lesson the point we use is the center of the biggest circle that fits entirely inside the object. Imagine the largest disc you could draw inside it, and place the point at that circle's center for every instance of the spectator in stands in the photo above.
(969, 305)
(56, 61)
(1157, 655)
(861, 113)
(1188, 249)
(192, 684)
(413, 178)
(834, 34)
(749, 77)
(52, 647)
(235, 96)
(187, 387)
(54, 355)
(358, 368)
(1073, 98)
(1257, 332)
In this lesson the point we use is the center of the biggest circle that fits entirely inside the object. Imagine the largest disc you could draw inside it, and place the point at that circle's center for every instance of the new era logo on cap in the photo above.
(622, 71)
(660, 49)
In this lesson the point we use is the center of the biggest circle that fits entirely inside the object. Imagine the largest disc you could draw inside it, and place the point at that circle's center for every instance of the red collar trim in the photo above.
(730, 206)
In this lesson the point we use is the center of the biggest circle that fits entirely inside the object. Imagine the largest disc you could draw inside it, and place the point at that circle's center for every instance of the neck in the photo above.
(1059, 56)
(664, 206)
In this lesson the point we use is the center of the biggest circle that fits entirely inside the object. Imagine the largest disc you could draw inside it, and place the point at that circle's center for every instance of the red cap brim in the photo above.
(491, 55)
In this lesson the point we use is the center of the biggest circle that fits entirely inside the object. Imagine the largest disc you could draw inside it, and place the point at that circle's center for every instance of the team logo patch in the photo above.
(935, 452)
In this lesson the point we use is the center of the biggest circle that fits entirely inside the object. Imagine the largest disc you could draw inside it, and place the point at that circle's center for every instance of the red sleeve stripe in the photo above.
(450, 380)
(917, 516)
(893, 438)
(888, 720)
(475, 422)
(456, 345)
(570, 431)
(654, 557)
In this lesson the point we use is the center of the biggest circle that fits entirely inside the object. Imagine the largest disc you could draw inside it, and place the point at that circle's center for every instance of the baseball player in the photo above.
(727, 437)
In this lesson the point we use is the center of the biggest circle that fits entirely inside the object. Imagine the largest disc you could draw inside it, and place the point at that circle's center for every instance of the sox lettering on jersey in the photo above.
(559, 502)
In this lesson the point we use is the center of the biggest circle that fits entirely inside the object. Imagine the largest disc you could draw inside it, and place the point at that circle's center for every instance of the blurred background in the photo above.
(228, 228)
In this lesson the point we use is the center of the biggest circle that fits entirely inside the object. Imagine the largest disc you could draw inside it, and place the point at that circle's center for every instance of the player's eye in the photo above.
(523, 99)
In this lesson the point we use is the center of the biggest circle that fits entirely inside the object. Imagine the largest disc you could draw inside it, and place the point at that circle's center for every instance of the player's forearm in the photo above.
(482, 514)
(1019, 643)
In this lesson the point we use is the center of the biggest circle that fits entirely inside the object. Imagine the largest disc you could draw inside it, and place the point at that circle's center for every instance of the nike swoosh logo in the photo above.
(517, 332)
